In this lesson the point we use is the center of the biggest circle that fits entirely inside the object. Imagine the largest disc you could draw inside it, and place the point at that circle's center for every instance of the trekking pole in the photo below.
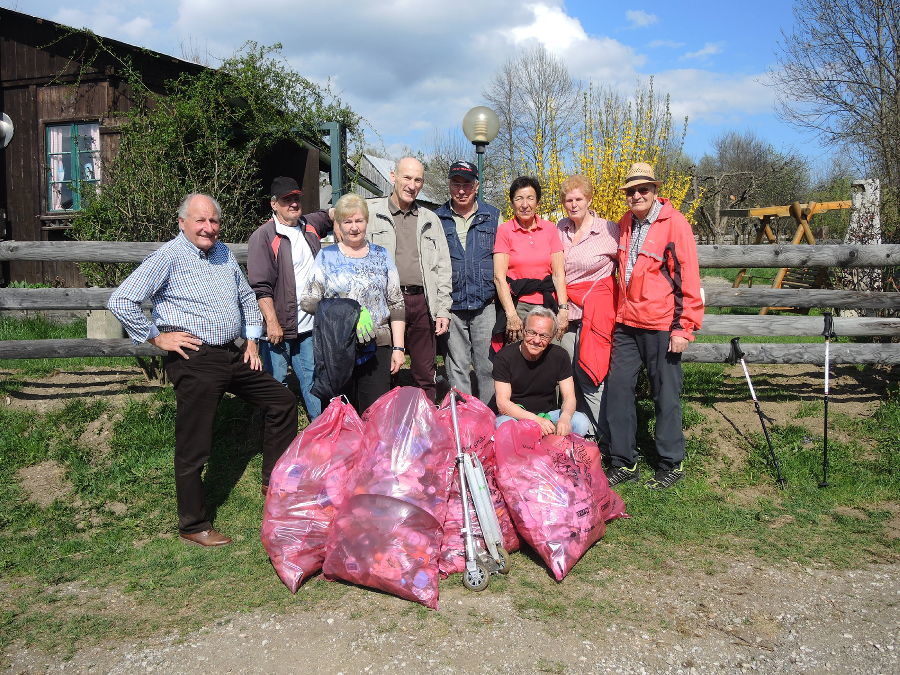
(827, 333)
(738, 355)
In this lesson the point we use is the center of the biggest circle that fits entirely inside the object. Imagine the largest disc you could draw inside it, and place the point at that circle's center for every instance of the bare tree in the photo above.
(745, 171)
(537, 100)
(840, 76)
(451, 146)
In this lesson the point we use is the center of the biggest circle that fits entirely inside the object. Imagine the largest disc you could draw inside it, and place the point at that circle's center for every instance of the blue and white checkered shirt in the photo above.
(202, 293)
(639, 230)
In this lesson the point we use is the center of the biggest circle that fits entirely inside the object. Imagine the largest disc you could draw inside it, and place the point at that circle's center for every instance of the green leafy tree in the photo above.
(207, 133)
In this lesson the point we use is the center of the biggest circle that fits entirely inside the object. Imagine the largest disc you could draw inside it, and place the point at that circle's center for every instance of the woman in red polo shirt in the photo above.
(529, 267)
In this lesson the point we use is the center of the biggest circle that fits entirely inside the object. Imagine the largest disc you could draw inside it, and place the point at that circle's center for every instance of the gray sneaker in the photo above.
(665, 478)
(623, 474)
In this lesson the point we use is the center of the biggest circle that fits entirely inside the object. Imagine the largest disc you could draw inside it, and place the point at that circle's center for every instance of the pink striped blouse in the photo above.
(592, 258)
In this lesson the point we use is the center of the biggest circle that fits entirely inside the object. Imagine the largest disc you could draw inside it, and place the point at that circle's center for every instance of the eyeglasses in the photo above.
(466, 186)
(543, 337)
(643, 189)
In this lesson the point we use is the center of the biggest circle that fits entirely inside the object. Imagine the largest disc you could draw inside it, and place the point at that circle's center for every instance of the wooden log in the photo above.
(799, 255)
(814, 353)
(761, 296)
(54, 298)
(787, 255)
(96, 298)
(741, 325)
(888, 353)
(91, 251)
(51, 349)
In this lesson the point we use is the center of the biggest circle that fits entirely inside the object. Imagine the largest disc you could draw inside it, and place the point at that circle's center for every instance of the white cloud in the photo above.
(715, 98)
(109, 20)
(550, 26)
(638, 18)
(413, 68)
(665, 43)
(408, 68)
(708, 49)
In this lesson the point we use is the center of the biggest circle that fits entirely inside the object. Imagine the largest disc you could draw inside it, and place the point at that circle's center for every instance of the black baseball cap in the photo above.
(284, 186)
(465, 170)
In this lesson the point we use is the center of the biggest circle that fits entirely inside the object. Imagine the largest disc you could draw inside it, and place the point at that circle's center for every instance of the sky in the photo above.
(413, 68)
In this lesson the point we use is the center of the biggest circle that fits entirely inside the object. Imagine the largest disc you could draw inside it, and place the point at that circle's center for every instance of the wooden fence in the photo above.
(846, 256)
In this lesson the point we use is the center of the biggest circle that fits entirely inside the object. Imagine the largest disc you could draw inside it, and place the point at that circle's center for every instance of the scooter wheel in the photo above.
(504, 560)
(477, 579)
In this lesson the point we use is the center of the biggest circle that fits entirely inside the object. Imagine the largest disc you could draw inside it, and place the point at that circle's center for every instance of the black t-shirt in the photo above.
(533, 382)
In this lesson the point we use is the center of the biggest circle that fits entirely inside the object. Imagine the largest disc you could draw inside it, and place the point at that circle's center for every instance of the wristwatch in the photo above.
(564, 306)
(399, 349)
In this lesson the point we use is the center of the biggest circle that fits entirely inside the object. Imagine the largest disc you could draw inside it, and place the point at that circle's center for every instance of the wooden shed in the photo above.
(63, 94)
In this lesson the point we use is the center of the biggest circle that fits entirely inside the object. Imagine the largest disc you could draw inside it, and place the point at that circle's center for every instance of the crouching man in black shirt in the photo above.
(526, 374)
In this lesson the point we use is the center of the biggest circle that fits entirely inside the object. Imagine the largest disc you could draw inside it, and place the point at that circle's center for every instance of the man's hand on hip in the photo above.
(678, 344)
(176, 342)
(441, 325)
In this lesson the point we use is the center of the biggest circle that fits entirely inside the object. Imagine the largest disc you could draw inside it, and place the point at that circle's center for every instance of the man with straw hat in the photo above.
(659, 308)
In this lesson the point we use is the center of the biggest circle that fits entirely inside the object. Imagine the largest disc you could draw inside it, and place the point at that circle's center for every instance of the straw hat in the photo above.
(638, 174)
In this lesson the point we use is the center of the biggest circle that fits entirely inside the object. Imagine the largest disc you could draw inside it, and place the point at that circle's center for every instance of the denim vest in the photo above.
(473, 268)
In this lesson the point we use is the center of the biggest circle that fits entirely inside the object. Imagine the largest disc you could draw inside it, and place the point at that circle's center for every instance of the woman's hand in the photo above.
(398, 358)
(513, 327)
(562, 321)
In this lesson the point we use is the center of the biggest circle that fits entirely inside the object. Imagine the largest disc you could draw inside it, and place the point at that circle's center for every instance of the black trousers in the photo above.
(369, 380)
(421, 343)
(200, 382)
(632, 348)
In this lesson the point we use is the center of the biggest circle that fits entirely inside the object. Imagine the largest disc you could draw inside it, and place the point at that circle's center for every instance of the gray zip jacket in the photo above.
(434, 256)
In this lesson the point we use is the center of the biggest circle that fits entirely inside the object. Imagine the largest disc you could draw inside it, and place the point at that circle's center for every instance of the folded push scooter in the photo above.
(480, 564)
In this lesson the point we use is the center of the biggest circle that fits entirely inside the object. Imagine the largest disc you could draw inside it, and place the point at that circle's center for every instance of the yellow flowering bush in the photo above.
(613, 134)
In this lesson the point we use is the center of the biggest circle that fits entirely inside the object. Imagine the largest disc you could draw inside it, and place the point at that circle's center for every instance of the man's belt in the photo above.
(412, 290)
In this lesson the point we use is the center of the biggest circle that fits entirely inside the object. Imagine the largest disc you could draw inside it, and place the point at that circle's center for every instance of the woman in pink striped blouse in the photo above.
(590, 244)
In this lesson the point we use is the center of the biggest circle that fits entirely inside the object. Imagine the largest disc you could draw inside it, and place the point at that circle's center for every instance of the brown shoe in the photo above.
(264, 489)
(206, 538)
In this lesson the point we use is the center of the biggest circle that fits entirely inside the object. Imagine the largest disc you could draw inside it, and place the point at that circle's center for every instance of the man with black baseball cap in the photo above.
(280, 258)
(470, 226)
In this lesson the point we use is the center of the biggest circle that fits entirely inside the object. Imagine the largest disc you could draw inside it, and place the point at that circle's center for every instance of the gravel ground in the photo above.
(745, 616)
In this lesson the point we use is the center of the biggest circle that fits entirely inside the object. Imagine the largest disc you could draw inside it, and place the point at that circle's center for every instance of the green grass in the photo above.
(114, 534)
(38, 328)
(762, 276)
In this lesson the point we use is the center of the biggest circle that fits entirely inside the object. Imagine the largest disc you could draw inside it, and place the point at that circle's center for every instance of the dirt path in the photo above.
(743, 617)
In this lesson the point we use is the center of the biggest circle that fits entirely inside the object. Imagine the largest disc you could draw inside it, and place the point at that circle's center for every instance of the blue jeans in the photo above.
(298, 354)
(580, 423)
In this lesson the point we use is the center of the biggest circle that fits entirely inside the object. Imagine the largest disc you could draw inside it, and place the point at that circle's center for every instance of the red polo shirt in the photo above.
(529, 251)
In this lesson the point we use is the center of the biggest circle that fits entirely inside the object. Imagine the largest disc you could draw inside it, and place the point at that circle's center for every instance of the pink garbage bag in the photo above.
(308, 484)
(556, 490)
(388, 534)
(476, 431)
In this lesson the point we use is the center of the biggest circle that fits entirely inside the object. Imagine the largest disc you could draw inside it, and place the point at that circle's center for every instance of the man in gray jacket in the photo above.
(415, 237)
(280, 257)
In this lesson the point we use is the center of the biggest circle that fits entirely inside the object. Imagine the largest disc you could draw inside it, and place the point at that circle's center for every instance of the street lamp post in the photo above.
(480, 125)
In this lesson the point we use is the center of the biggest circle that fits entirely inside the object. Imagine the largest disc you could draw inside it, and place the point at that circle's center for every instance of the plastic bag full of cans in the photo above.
(556, 490)
(387, 534)
(476, 435)
(308, 485)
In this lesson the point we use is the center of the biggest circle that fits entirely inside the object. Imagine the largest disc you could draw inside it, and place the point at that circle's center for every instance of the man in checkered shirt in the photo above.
(201, 305)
